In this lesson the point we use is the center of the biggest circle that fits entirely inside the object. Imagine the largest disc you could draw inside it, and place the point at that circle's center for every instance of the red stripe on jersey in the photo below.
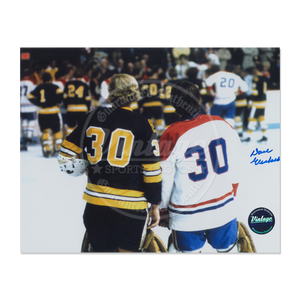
(107, 80)
(175, 131)
(235, 186)
(209, 88)
(62, 80)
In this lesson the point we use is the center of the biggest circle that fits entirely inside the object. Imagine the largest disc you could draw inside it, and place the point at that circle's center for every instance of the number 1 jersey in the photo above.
(200, 160)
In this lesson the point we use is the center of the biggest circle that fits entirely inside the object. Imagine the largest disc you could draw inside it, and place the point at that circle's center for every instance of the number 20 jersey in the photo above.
(200, 160)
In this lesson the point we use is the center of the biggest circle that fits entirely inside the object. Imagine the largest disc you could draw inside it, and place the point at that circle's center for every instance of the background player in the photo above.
(77, 100)
(226, 86)
(200, 175)
(48, 97)
(151, 94)
(124, 174)
(258, 104)
(169, 112)
(27, 110)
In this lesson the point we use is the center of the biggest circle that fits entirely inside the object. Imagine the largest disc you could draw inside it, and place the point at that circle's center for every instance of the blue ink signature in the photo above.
(267, 161)
(257, 161)
(258, 152)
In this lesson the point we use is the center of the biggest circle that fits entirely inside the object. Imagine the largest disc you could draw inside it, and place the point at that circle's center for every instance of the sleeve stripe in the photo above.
(151, 167)
(152, 179)
(70, 147)
(67, 152)
(30, 96)
(152, 173)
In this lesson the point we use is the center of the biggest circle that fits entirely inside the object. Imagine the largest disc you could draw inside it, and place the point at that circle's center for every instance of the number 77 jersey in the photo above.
(200, 160)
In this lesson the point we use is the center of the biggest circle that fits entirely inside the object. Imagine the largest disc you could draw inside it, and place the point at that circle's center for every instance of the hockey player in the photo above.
(48, 98)
(258, 104)
(200, 175)
(124, 175)
(27, 110)
(226, 86)
(151, 96)
(170, 115)
(77, 100)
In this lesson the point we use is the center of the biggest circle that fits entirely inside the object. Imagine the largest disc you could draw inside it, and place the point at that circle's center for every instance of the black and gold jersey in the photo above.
(47, 96)
(152, 92)
(76, 96)
(122, 149)
(201, 85)
(259, 91)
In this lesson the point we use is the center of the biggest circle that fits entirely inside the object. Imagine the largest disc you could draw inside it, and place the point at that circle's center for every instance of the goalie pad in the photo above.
(86, 245)
(153, 243)
(244, 241)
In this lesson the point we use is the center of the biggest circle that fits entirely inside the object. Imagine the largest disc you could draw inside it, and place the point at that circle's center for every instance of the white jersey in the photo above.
(104, 94)
(226, 84)
(200, 159)
(26, 87)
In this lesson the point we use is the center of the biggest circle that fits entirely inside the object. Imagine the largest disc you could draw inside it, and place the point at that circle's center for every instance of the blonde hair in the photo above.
(123, 88)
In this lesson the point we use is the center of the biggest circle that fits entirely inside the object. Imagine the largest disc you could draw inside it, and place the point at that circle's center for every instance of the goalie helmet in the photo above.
(73, 166)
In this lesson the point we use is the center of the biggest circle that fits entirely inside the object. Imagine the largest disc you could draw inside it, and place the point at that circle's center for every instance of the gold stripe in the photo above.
(115, 203)
(71, 146)
(77, 107)
(134, 105)
(259, 104)
(114, 191)
(65, 155)
(152, 179)
(151, 167)
(240, 103)
(251, 119)
(30, 96)
(126, 108)
(153, 103)
(169, 109)
(49, 110)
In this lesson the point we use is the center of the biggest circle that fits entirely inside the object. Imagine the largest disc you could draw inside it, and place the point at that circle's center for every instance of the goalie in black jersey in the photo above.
(119, 150)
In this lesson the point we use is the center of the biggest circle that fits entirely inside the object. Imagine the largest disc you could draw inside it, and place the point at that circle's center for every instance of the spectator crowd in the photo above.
(102, 63)
(95, 66)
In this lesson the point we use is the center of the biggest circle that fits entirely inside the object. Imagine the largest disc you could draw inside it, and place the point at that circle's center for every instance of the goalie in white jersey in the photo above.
(200, 160)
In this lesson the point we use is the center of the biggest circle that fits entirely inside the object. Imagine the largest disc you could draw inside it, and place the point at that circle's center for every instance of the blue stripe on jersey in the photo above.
(200, 210)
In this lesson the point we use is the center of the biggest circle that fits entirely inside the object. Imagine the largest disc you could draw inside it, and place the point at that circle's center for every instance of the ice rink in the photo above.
(52, 205)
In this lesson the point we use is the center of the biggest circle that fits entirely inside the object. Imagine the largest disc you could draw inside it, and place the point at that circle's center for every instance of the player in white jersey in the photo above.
(27, 110)
(200, 160)
(226, 86)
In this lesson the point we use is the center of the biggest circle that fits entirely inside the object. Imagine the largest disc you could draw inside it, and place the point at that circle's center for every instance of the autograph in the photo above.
(257, 161)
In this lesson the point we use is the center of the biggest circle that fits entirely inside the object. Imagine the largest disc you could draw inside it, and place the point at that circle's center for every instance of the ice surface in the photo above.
(52, 205)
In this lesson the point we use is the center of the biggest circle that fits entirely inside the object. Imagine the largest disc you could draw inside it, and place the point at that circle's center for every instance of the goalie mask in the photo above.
(74, 167)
